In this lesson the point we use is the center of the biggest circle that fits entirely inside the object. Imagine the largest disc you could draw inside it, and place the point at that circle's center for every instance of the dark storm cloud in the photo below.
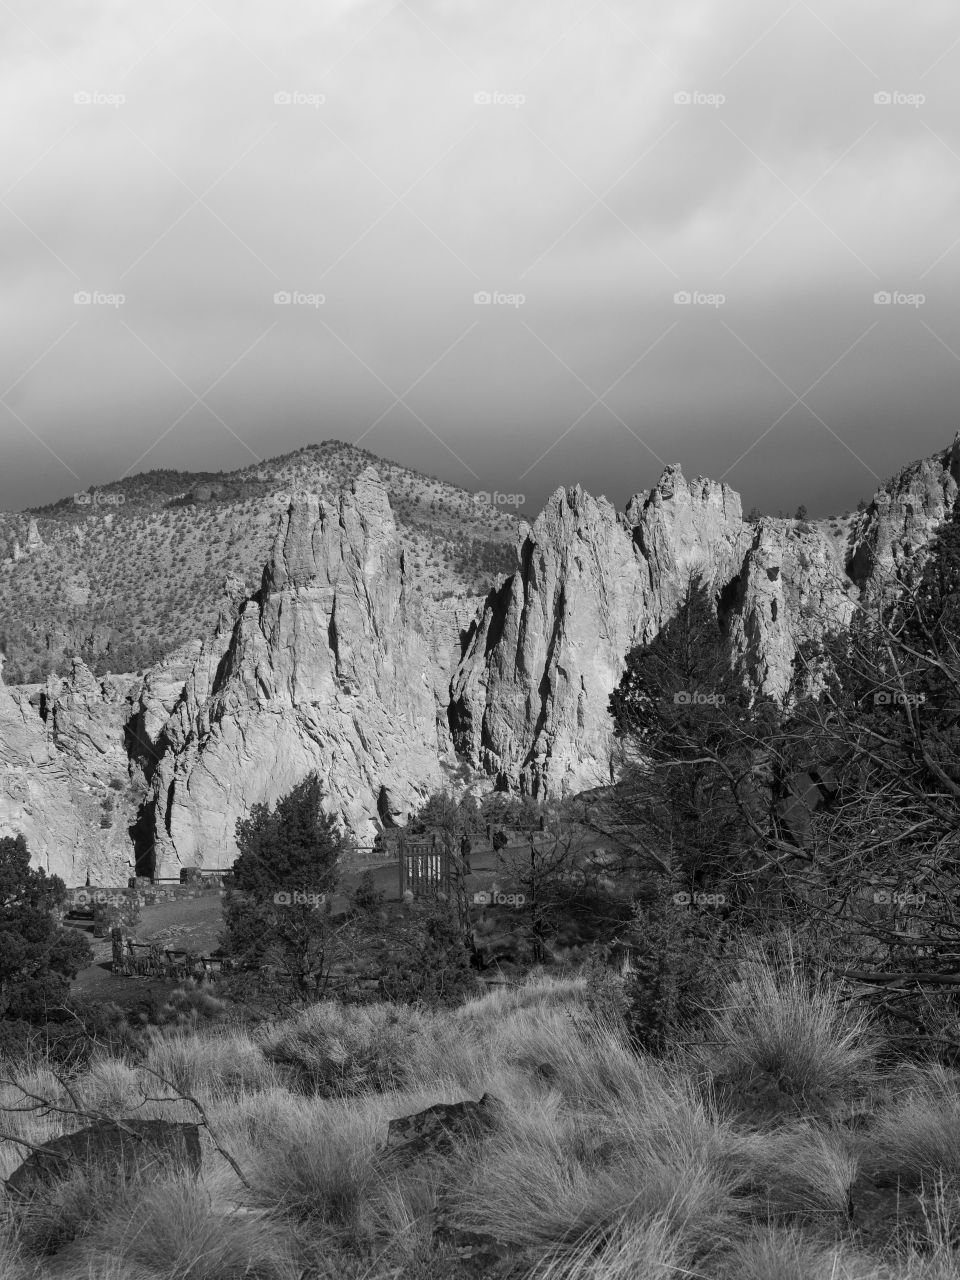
(577, 189)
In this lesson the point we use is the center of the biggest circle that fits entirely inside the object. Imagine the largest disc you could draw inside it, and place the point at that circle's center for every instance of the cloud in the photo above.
(384, 183)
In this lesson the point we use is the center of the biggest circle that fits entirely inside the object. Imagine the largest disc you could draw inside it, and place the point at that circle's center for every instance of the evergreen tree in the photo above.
(691, 732)
(38, 958)
(278, 912)
(295, 846)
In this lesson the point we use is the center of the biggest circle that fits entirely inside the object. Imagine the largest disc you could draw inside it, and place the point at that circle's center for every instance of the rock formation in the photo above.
(904, 515)
(791, 587)
(61, 746)
(322, 671)
(35, 793)
(338, 664)
(529, 699)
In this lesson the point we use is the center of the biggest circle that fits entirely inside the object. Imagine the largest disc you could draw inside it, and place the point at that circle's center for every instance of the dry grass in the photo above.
(798, 1172)
(214, 1063)
(605, 1164)
(778, 1254)
(782, 1026)
(176, 1231)
(650, 1249)
(917, 1136)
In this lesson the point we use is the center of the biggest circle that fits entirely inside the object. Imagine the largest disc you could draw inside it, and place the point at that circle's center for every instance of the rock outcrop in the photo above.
(70, 779)
(338, 664)
(791, 587)
(36, 797)
(903, 516)
(529, 700)
(322, 671)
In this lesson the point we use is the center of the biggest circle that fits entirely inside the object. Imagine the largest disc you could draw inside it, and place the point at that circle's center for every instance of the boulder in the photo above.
(113, 1146)
(438, 1129)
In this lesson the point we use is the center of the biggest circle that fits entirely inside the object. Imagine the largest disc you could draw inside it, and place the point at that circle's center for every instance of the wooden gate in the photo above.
(424, 865)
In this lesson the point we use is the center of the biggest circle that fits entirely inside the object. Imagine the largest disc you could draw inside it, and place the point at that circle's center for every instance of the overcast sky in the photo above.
(582, 163)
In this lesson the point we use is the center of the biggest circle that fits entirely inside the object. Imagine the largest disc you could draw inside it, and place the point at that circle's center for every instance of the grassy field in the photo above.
(779, 1148)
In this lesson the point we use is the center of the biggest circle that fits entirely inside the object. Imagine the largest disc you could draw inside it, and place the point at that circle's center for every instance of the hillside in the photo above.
(139, 570)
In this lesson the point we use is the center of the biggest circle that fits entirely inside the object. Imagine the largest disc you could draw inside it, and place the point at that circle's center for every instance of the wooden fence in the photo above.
(424, 865)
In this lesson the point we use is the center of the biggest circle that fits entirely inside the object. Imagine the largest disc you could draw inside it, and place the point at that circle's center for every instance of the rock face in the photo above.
(65, 778)
(36, 799)
(529, 699)
(903, 516)
(322, 671)
(338, 664)
(791, 587)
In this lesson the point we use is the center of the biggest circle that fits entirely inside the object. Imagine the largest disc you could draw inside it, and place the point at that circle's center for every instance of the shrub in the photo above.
(335, 1050)
(38, 958)
(422, 956)
(677, 969)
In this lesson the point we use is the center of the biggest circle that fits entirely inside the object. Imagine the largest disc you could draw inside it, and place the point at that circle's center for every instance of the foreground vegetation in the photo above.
(782, 1142)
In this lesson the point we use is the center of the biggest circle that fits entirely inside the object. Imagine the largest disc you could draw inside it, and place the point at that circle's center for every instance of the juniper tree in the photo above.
(886, 715)
(278, 911)
(692, 733)
(38, 957)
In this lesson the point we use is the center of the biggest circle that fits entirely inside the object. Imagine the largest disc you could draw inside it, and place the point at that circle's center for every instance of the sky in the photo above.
(514, 245)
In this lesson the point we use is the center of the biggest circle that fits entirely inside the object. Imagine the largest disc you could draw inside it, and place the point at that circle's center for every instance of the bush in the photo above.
(337, 1051)
(677, 969)
(38, 958)
(423, 958)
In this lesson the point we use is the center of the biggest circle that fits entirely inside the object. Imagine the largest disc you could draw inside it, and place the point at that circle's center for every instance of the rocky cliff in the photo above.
(323, 670)
(903, 516)
(340, 663)
(65, 776)
(529, 699)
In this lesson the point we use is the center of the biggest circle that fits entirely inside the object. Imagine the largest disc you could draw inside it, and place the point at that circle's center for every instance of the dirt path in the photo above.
(186, 924)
